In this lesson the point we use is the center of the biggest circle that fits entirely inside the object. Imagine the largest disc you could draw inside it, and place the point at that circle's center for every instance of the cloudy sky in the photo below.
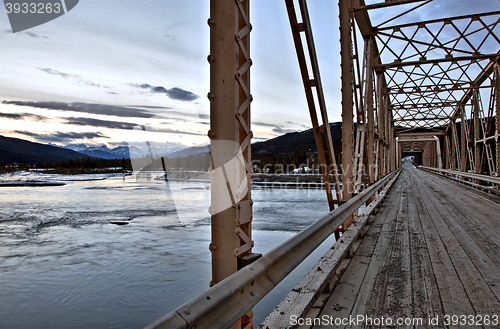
(104, 69)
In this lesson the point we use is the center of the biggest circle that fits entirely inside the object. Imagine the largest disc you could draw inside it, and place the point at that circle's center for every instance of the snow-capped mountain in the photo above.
(134, 150)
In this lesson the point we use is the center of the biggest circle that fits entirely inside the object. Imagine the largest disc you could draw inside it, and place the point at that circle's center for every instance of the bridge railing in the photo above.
(226, 302)
(475, 178)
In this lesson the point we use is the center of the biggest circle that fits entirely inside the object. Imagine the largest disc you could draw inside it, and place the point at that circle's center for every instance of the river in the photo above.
(64, 264)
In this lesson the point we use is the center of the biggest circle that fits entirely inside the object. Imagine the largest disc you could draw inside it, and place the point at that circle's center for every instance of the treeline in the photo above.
(261, 162)
(271, 163)
(86, 163)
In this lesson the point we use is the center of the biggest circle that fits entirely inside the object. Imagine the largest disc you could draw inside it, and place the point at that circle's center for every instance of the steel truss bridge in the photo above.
(426, 89)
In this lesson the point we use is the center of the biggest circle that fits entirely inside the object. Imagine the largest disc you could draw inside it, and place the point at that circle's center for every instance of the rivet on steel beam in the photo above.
(210, 59)
(210, 96)
(187, 311)
(210, 22)
(211, 134)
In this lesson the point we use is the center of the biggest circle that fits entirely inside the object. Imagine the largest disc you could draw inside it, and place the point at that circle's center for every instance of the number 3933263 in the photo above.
(26, 14)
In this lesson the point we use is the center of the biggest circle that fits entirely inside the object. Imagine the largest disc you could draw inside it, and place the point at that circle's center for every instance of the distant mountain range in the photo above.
(102, 151)
(135, 150)
(14, 150)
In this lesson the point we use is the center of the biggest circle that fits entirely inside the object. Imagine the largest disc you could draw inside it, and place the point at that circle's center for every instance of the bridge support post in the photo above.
(370, 146)
(230, 138)
(477, 132)
(463, 143)
(347, 102)
(497, 133)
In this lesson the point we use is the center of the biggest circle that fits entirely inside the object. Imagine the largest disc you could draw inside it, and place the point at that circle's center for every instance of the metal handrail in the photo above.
(226, 302)
(485, 178)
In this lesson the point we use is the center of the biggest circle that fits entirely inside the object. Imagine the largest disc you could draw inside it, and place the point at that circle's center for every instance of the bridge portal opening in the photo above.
(417, 157)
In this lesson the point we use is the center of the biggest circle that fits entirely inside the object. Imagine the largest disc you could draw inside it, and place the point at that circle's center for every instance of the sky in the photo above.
(100, 72)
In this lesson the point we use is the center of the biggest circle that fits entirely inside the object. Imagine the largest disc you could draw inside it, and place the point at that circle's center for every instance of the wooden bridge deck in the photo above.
(432, 250)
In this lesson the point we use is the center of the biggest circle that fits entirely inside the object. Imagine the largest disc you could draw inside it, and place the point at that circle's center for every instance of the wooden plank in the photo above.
(485, 206)
(342, 301)
(383, 226)
(482, 212)
(460, 217)
(364, 250)
(481, 296)
(426, 300)
(478, 293)
(393, 281)
(453, 297)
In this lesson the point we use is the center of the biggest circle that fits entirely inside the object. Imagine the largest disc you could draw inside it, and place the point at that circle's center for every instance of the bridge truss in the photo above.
(429, 88)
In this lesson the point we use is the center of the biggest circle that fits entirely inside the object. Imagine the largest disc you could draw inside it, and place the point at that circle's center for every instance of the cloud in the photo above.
(79, 78)
(22, 116)
(100, 123)
(103, 109)
(263, 124)
(62, 137)
(173, 131)
(33, 35)
(173, 93)
(150, 107)
(278, 129)
(298, 124)
(281, 130)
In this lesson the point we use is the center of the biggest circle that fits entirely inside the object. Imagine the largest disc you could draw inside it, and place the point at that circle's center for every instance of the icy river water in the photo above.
(63, 264)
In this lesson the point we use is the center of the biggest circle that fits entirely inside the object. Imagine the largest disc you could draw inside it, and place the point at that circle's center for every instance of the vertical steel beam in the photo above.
(381, 113)
(497, 133)
(453, 155)
(347, 99)
(230, 137)
(477, 131)
(457, 147)
(448, 154)
(370, 124)
(438, 153)
(463, 138)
